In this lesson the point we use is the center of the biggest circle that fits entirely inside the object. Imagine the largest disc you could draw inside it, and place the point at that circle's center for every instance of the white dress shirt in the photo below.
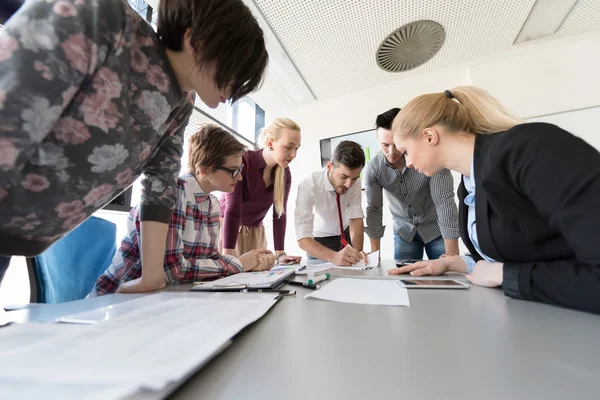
(316, 213)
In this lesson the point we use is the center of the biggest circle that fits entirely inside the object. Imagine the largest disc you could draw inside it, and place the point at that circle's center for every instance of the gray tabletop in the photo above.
(463, 344)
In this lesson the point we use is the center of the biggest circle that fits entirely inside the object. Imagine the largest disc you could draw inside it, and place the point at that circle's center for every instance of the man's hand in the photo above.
(449, 254)
(347, 257)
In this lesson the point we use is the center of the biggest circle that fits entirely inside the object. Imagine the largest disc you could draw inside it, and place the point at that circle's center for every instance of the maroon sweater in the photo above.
(248, 204)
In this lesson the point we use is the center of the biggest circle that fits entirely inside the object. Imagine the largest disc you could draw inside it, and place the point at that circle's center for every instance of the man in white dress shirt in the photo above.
(329, 214)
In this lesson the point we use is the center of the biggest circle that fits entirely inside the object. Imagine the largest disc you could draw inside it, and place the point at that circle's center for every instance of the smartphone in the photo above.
(432, 284)
(402, 263)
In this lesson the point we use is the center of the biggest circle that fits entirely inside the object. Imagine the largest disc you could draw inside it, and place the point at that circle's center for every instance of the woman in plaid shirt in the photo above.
(215, 163)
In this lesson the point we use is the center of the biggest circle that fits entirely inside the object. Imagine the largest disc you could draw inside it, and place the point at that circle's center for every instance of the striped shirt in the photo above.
(418, 204)
(191, 253)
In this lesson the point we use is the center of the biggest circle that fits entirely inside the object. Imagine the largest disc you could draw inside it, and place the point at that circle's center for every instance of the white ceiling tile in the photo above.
(333, 42)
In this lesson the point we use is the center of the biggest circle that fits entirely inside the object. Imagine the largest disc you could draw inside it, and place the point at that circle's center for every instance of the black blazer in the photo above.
(537, 207)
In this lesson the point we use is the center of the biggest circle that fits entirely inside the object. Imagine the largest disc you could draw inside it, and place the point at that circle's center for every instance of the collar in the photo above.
(325, 184)
(387, 163)
(256, 158)
(193, 185)
(470, 180)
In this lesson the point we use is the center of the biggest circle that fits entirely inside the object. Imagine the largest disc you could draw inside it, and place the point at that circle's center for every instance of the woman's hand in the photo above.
(257, 260)
(288, 260)
(488, 274)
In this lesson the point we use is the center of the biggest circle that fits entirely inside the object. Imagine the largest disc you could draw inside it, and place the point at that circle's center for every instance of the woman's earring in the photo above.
(270, 148)
(205, 178)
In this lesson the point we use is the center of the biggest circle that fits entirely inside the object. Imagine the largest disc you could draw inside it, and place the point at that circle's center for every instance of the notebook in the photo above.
(373, 262)
(248, 281)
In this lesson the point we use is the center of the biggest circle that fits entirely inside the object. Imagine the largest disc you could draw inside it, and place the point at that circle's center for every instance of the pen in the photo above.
(282, 292)
(319, 278)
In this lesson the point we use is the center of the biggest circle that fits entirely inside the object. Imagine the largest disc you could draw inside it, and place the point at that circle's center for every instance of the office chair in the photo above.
(68, 270)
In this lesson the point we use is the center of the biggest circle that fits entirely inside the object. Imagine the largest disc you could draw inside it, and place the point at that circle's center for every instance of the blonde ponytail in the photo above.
(464, 108)
(273, 132)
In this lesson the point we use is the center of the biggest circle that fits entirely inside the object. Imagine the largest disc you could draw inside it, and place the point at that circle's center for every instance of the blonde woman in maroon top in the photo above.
(267, 181)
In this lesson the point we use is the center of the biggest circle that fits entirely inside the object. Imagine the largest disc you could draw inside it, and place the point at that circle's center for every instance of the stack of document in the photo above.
(147, 348)
(248, 280)
(372, 262)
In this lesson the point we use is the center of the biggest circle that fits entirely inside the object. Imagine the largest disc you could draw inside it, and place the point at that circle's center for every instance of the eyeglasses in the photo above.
(233, 172)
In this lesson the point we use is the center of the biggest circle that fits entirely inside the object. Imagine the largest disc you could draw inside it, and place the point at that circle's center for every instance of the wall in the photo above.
(544, 78)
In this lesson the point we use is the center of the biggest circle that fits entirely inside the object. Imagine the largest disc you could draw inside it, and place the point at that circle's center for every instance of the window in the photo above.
(244, 119)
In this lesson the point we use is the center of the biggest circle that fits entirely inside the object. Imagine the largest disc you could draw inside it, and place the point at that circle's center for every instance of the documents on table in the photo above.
(105, 313)
(248, 280)
(147, 347)
(373, 262)
(363, 291)
(26, 389)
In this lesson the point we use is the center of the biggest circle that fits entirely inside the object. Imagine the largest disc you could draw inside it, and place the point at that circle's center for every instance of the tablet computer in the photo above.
(432, 284)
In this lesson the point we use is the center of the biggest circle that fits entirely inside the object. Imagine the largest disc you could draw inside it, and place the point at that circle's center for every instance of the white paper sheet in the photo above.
(112, 311)
(363, 291)
(373, 262)
(25, 390)
(297, 267)
(149, 347)
(3, 317)
(314, 269)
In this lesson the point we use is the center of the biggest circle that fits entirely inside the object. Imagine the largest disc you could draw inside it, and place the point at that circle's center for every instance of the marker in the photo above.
(305, 284)
(312, 286)
(319, 278)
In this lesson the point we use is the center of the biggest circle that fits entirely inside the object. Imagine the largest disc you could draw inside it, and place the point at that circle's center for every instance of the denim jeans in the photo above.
(405, 250)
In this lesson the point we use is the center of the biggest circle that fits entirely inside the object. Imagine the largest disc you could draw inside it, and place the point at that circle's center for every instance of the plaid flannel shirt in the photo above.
(191, 254)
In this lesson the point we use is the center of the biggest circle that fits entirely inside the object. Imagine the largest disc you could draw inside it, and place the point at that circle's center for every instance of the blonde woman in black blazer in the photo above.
(529, 198)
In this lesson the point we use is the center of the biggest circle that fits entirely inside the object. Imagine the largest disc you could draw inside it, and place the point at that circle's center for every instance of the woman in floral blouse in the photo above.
(91, 97)
(215, 164)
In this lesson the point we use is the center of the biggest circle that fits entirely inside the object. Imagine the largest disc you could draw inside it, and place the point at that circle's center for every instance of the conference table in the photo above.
(449, 344)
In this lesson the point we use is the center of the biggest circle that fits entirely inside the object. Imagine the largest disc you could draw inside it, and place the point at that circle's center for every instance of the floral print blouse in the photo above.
(88, 102)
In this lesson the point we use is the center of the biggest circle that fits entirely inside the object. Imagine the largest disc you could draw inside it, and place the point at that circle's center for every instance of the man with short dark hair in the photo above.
(424, 212)
(329, 215)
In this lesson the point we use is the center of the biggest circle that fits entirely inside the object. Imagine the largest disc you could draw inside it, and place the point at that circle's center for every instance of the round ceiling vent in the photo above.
(410, 46)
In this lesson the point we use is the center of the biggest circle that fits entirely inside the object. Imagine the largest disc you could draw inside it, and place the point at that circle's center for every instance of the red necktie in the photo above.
(344, 242)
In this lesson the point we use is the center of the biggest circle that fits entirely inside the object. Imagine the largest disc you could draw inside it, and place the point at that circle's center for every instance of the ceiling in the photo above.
(333, 42)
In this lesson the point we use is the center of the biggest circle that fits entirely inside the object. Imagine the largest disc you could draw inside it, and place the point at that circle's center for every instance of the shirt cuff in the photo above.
(302, 233)
(375, 232)
(234, 262)
(450, 235)
(151, 212)
(470, 263)
(514, 277)
(356, 214)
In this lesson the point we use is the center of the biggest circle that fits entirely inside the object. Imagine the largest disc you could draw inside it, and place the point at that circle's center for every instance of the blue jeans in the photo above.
(404, 250)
